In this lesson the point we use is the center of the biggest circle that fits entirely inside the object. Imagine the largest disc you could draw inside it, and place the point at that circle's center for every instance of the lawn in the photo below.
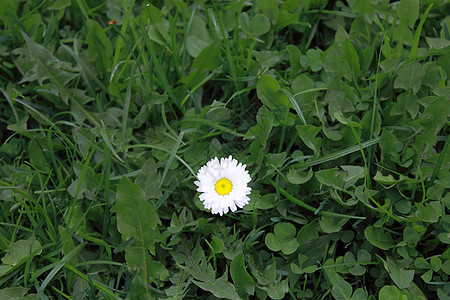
(269, 149)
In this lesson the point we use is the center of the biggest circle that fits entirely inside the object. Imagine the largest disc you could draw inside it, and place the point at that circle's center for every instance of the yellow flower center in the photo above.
(223, 186)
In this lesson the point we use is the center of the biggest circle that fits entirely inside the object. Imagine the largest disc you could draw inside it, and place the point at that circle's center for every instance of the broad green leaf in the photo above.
(436, 263)
(268, 59)
(269, 91)
(352, 58)
(389, 292)
(277, 289)
(331, 177)
(4, 269)
(308, 135)
(272, 242)
(438, 43)
(371, 124)
(207, 60)
(138, 290)
(198, 36)
(330, 271)
(379, 237)
(47, 66)
(18, 252)
(334, 63)
(401, 277)
(339, 103)
(217, 244)
(354, 173)
(446, 267)
(241, 278)
(284, 231)
(416, 292)
(262, 129)
(363, 256)
(37, 157)
(297, 177)
(261, 202)
(312, 59)
(157, 271)
(408, 12)
(244, 21)
(409, 77)
(411, 236)
(388, 145)
(427, 213)
(332, 224)
(342, 290)
(282, 239)
(268, 8)
(294, 55)
(260, 25)
(136, 220)
(285, 19)
(99, 47)
(194, 45)
(16, 293)
(421, 263)
(364, 8)
(387, 180)
(359, 294)
(149, 178)
(219, 288)
(406, 102)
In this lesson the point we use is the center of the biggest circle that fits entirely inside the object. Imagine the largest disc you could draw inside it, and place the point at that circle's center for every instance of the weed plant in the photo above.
(339, 109)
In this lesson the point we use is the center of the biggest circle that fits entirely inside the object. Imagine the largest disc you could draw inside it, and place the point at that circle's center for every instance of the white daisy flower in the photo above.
(223, 185)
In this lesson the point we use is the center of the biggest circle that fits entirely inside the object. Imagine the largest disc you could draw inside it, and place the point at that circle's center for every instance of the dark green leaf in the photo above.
(401, 277)
(342, 290)
(260, 25)
(408, 12)
(241, 278)
(136, 220)
(269, 91)
(409, 78)
(379, 237)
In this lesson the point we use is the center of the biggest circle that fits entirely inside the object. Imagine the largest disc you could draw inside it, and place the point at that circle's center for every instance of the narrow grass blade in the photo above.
(336, 155)
(309, 207)
(57, 266)
(214, 125)
(415, 45)
(295, 104)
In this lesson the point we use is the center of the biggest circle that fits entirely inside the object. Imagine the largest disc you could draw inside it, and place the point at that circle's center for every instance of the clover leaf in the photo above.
(282, 239)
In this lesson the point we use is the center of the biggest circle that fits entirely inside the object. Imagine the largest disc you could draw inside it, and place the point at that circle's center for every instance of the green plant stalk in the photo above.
(309, 207)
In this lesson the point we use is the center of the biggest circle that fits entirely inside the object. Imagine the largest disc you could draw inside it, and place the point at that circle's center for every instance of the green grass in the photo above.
(340, 112)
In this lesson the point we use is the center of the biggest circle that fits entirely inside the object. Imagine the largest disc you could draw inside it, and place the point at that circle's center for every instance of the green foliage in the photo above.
(339, 111)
